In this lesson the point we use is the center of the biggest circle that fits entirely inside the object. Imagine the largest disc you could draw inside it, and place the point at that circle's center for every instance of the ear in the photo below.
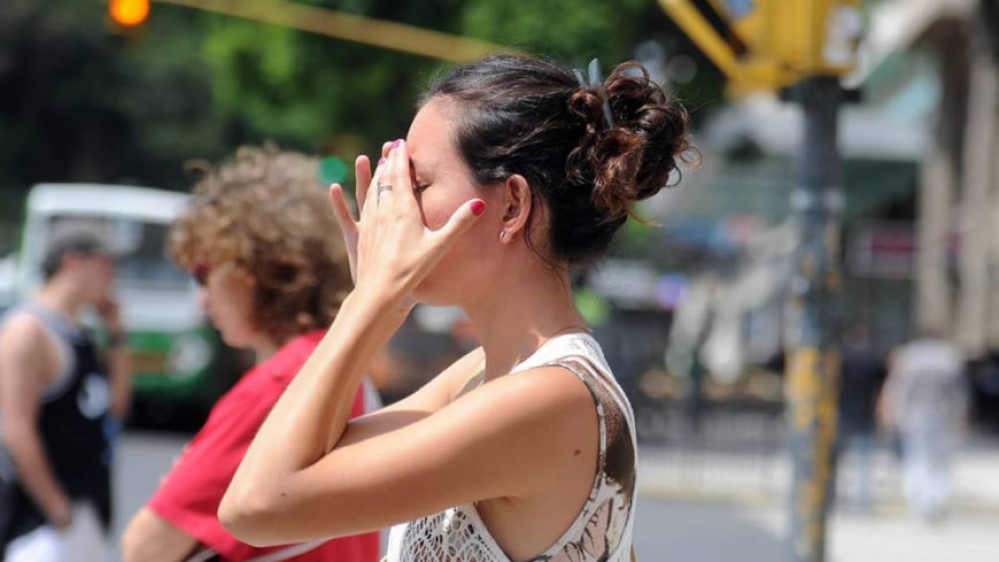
(517, 204)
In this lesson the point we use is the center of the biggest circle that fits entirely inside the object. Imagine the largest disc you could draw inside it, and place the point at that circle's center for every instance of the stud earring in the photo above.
(503, 234)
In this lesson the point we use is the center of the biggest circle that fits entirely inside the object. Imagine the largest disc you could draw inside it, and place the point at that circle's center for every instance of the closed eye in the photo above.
(421, 188)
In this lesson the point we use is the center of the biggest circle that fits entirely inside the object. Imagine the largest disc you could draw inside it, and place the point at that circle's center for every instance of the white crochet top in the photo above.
(603, 529)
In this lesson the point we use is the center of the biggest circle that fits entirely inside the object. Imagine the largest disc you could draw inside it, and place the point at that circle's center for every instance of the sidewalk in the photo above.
(764, 478)
(707, 531)
(702, 506)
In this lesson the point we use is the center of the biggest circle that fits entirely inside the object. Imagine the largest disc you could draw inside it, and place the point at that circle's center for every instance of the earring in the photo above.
(503, 234)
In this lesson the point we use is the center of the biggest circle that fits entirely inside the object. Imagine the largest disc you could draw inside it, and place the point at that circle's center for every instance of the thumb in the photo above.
(462, 218)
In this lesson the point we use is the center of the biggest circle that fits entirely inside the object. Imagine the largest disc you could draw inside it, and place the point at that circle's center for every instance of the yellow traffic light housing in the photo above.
(128, 13)
(770, 44)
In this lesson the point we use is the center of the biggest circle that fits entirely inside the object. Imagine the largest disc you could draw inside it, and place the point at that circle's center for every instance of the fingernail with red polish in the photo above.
(396, 143)
(381, 161)
(478, 207)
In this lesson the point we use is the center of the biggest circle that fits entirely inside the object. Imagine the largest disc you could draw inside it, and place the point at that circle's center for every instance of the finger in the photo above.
(381, 177)
(362, 173)
(386, 148)
(399, 167)
(379, 171)
(348, 227)
(341, 211)
(462, 218)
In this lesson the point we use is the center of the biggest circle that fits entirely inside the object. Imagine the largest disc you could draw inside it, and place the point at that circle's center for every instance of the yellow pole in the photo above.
(698, 29)
(369, 31)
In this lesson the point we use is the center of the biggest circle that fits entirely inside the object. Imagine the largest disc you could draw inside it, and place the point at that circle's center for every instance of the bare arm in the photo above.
(509, 439)
(119, 375)
(26, 359)
(150, 538)
(119, 362)
(428, 399)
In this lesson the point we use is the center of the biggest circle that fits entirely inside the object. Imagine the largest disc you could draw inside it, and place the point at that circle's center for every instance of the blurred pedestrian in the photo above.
(57, 397)
(925, 400)
(514, 170)
(863, 373)
(260, 240)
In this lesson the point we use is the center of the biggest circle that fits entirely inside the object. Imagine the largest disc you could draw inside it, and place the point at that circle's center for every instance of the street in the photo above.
(670, 529)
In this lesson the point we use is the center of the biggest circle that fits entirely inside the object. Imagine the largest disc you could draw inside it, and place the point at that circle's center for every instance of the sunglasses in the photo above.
(200, 274)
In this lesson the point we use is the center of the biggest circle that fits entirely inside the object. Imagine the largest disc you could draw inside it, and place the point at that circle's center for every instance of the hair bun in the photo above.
(634, 159)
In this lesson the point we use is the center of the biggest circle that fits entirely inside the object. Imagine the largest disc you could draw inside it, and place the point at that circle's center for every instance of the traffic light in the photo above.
(128, 14)
(816, 37)
(770, 44)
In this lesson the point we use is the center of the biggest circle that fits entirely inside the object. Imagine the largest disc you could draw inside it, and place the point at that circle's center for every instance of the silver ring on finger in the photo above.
(382, 188)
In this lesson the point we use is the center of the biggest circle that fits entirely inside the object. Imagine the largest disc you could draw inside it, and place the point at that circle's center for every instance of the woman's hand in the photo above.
(341, 209)
(390, 248)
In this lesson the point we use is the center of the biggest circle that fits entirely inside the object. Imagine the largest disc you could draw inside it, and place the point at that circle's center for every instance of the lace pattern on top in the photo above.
(602, 532)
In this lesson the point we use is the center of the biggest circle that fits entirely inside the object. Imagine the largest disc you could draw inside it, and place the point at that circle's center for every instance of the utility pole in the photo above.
(813, 364)
(801, 48)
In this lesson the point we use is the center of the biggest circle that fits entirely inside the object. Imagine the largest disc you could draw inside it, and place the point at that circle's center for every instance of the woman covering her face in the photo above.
(514, 171)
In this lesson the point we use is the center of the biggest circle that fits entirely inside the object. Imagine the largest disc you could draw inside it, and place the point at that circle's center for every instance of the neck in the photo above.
(520, 315)
(60, 297)
(264, 350)
(266, 345)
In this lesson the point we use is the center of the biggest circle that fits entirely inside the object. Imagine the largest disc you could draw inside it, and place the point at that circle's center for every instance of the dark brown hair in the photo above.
(266, 213)
(519, 115)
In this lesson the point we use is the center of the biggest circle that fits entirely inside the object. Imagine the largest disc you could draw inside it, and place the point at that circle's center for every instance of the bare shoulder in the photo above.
(552, 400)
(548, 386)
(27, 352)
(23, 335)
(545, 422)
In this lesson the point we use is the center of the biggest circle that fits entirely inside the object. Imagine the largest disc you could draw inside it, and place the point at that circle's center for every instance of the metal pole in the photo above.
(813, 362)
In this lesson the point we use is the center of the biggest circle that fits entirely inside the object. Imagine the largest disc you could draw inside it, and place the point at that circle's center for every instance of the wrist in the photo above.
(369, 320)
(60, 515)
(378, 306)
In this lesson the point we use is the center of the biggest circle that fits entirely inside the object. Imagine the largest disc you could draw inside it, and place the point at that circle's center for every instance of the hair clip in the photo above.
(595, 79)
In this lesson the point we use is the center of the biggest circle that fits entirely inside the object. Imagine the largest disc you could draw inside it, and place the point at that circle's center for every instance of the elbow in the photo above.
(250, 516)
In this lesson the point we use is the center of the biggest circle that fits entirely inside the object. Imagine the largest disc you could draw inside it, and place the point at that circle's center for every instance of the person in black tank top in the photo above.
(55, 400)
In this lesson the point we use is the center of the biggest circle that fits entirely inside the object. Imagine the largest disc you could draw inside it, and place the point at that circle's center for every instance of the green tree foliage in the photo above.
(572, 30)
(80, 101)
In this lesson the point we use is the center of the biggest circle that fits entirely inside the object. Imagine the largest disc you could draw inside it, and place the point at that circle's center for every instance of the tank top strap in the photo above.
(584, 350)
(54, 322)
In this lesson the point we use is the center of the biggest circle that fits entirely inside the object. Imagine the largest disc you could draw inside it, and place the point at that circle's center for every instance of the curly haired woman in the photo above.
(260, 241)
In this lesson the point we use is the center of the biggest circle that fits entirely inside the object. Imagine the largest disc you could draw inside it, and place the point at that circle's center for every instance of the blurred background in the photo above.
(690, 308)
